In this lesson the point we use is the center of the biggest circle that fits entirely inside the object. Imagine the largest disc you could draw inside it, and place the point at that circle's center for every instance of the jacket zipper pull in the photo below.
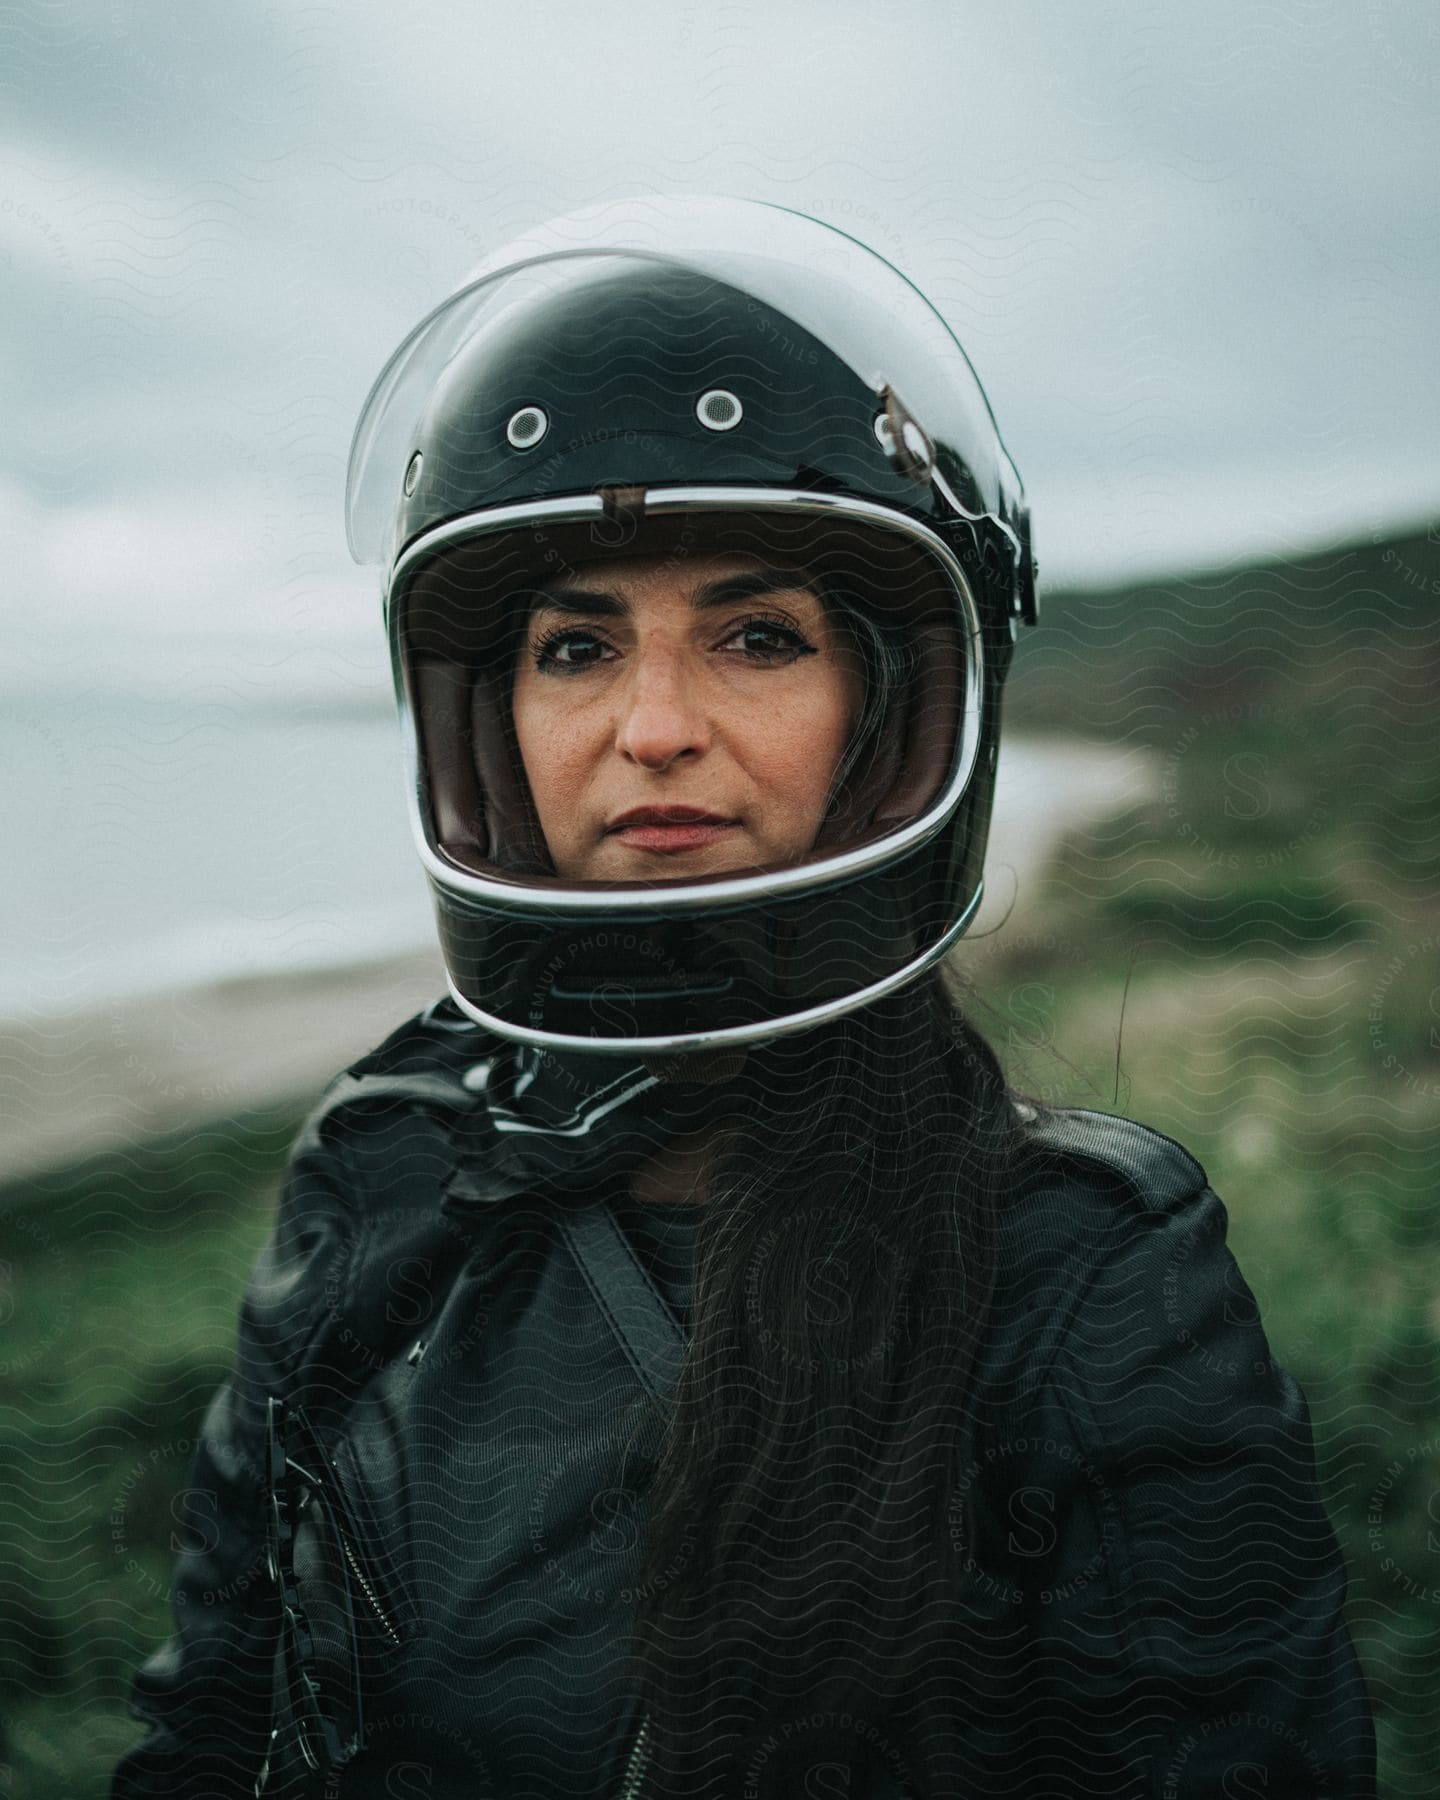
(262, 1780)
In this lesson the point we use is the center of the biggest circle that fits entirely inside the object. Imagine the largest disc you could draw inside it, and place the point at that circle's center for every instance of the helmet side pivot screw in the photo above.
(903, 440)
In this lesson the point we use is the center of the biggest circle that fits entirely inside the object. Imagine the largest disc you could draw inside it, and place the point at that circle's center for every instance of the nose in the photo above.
(661, 716)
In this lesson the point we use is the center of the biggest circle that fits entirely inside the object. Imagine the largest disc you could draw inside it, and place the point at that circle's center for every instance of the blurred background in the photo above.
(1193, 254)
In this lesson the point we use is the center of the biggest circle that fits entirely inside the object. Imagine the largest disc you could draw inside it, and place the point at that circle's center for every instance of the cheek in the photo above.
(803, 740)
(546, 747)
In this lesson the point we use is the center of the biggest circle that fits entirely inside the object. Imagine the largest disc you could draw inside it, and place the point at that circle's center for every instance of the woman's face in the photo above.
(717, 686)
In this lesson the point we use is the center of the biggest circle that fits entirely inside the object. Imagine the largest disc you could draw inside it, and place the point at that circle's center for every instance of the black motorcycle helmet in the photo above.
(634, 380)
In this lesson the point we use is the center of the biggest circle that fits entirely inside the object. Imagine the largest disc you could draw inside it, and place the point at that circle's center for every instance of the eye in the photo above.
(550, 655)
(770, 640)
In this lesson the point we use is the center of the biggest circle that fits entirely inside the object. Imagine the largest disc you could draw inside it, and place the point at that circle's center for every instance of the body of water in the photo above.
(156, 842)
(151, 843)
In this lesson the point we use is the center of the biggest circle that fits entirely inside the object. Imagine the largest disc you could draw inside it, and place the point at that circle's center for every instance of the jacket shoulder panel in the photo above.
(1199, 1564)
(1087, 1182)
(364, 1118)
(388, 1138)
(362, 1181)
(1080, 1142)
(424, 1061)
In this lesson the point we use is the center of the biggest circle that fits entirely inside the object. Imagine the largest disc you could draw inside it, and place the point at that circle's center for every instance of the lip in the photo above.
(669, 830)
(668, 815)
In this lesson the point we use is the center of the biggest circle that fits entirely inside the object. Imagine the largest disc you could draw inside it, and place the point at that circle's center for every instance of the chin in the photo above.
(616, 863)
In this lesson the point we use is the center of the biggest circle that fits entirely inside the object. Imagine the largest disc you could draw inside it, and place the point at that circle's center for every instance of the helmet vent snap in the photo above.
(527, 427)
(412, 473)
(901, 438)
(718, 409)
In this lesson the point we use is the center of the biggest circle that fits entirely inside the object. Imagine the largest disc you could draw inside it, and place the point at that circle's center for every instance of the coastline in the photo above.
(131, 1069)
(126, 1071)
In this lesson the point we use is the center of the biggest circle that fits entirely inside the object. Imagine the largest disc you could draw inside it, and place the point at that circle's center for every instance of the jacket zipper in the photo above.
(360, 1576)
(634, 1781)
(342, 1525)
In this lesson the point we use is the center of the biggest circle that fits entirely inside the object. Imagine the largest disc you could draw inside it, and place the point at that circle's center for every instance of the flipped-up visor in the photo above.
(796, 271)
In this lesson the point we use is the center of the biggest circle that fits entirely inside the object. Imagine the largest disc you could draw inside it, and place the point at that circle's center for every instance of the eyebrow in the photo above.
(600, 603)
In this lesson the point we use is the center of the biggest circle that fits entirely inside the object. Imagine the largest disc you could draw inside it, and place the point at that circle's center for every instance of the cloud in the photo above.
(190, 586)
(1191, 254)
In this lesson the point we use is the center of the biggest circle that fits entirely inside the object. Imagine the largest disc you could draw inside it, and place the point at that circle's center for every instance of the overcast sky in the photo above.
(1191, 249)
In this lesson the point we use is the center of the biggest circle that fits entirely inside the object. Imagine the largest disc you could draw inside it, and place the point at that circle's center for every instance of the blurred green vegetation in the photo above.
(1249, 961)
(119, 1296)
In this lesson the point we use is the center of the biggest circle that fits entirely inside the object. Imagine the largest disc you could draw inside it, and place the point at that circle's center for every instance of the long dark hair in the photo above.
(801, 1565)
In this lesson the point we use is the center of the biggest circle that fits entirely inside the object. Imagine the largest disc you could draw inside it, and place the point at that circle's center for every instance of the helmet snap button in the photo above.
(527, 427)
(718, 409)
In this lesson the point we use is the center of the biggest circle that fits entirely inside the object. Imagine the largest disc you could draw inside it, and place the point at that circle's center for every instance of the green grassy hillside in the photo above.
(1251, 961)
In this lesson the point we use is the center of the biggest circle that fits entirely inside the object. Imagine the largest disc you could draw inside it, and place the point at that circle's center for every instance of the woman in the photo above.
(961, 1466)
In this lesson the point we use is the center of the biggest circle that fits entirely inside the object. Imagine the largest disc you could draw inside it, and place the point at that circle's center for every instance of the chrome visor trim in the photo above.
(527, 900)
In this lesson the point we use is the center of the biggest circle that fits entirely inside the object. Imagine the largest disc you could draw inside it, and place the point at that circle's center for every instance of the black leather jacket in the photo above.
(1158, 1607)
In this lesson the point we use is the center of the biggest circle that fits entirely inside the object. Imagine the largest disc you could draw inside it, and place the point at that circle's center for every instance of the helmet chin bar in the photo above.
(764, 1031)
